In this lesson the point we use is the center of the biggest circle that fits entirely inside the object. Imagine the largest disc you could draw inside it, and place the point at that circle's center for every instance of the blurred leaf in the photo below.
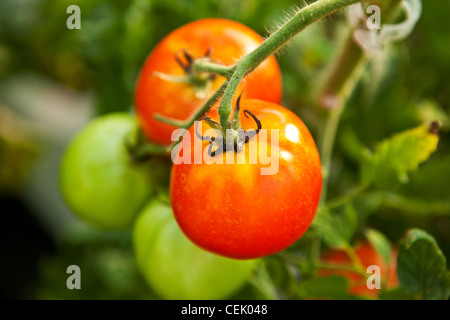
(264, 284)
(331, 287)
(414, 205)
(107, 272)
(19, 149)
(396, 294)
(432, 181)
(422, 267)
(350, 221)
(337, 229)
(396, 156)
(380, 243)
(351, 144)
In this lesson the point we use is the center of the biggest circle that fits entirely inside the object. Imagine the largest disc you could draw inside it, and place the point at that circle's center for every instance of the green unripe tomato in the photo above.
(177, 269)
(97, 179)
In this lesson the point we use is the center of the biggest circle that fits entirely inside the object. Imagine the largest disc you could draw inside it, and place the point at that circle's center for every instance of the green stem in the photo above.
(145, 149)
(203, 65)
(171, 121)
(318, 264)
(342, 80)
(337, 90)
(315, 250)
(340, 267)
(339, 86)
(347, 197)
(276, 41)
(263, 282)
(356, 261)
(189, 122)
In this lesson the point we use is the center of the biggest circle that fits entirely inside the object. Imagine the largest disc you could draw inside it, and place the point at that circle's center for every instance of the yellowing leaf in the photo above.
(395, 157)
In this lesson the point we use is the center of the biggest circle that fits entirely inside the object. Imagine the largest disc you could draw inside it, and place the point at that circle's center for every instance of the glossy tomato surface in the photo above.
(234, 209)
(229, 41)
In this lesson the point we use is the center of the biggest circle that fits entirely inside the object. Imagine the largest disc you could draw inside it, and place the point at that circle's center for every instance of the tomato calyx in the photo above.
(187, 66)
(232, 139)
(201, 81)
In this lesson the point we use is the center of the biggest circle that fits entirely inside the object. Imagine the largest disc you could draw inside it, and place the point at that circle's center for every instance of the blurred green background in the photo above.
(54, 80)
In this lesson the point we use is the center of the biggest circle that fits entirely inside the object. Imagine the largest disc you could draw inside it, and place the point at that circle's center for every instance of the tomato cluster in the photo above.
(230, 210)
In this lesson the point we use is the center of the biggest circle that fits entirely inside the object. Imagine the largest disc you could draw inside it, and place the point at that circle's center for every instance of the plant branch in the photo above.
(236, 73)
(337, 90)
(204, 65)
(333, 96)
(356, 261)
(272, 44)
(145, 149)
(339, 267)
(185, 124)
(346, 197)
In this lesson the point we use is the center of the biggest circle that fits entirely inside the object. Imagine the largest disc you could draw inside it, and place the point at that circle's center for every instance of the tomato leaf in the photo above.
(380, 243)
(395, 157)
(351, 144)
(422, 267)
(338, 228)
(331, 287)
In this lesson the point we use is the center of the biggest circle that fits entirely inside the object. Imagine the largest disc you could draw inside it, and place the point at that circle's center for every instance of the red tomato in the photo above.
(368, 256)
(235, 211)
(229, 41)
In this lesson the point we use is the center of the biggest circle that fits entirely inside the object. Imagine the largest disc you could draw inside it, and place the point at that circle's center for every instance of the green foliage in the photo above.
(395, 157)
(332, 287)
(380, 243)
(404, 86)
(108, 270)
(422, 267)
(336, 229)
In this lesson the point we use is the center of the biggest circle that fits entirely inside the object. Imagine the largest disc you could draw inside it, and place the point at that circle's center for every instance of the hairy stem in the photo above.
(203, 65)
(185, 124)
(276, 41)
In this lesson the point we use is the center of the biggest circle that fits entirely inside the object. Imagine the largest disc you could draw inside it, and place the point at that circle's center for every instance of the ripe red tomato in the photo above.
(368, 256)
(235, 211)
(229, 41)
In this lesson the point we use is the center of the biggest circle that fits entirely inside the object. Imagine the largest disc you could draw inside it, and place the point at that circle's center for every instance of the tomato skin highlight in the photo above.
(235, 211)
(98, 181)
(229, 41)
(177, 269)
